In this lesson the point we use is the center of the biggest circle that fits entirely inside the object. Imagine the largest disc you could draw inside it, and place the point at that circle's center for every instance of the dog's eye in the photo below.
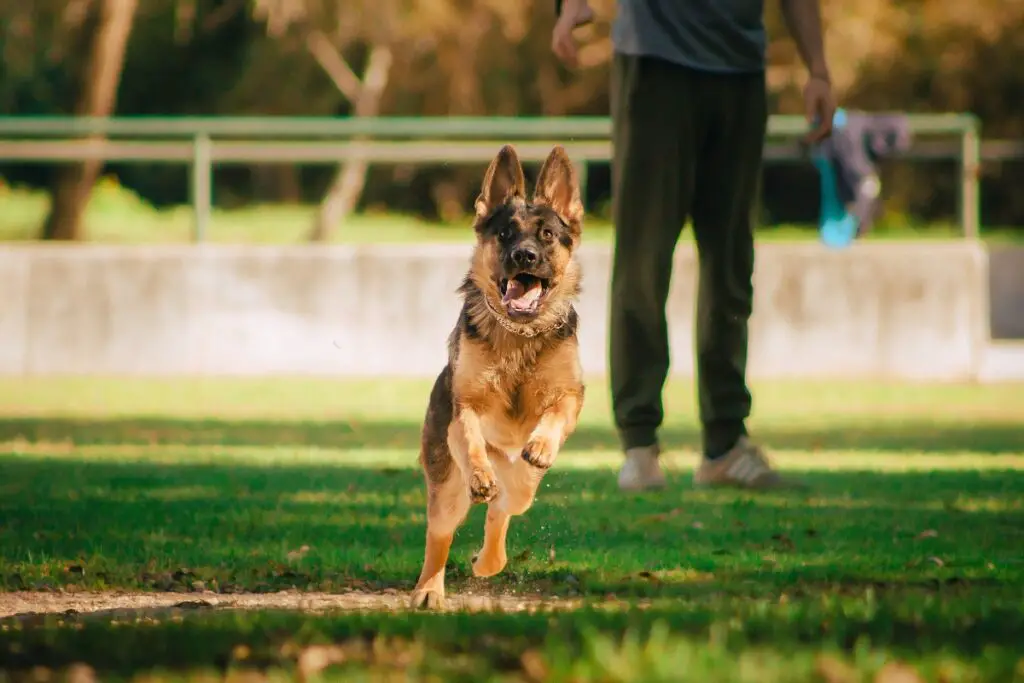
(506, 234)
(546, 234)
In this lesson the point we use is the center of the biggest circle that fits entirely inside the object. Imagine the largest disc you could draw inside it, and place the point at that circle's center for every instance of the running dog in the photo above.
(512, 389)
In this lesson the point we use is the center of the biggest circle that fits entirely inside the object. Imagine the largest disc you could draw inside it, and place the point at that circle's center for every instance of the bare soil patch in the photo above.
(33, 606)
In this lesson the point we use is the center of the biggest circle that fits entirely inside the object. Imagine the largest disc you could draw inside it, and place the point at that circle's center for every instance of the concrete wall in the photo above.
(901, 310)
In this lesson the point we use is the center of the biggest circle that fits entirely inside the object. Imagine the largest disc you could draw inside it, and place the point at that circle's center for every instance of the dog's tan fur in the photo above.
(512, 390)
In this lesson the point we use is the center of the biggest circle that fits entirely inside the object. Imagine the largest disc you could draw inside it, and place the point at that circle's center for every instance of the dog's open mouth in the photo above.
(522, 294)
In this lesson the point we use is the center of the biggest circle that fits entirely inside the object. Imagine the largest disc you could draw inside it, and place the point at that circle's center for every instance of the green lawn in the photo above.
(116, 214)
(908, 547)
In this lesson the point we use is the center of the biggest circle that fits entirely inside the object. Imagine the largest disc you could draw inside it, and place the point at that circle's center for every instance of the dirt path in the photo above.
(32, 606)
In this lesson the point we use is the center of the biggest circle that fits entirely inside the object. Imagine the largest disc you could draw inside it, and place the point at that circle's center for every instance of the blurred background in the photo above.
(427, 58)
(370, 122)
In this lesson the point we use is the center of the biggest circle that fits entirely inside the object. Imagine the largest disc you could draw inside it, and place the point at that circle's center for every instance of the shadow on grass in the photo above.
(998, 437)
(926, 560)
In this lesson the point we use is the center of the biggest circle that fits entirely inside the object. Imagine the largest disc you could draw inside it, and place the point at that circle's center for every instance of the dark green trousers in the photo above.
(687, 145)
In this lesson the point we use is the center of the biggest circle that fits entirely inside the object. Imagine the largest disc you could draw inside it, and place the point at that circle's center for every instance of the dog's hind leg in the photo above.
(447, 505)
(447, 494)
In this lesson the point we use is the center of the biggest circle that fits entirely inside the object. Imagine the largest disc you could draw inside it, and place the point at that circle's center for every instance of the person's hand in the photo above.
(819, 108)
(562, 42)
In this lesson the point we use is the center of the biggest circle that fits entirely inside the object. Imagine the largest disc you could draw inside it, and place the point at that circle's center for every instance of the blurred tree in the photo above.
(107, 23)
(329, 29)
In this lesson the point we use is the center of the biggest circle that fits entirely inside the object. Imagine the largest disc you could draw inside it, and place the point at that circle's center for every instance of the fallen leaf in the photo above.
(784, 540)
(245, 676)
(316, 658)
(661, 516)
(937, 561)
(833, 670)
(927, 533)
(182, 574)
(697, 525)
(298, 554)
(897, 672)
(80, 673)
(534, 666)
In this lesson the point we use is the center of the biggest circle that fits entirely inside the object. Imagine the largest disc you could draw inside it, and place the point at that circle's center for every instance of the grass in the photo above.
(117, 215)
(906, 549)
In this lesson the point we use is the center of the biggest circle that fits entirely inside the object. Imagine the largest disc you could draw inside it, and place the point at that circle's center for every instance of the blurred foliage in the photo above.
(492, 57)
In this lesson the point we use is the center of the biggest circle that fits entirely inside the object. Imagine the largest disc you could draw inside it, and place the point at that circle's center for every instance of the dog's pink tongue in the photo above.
(519, 297)
(514, 290)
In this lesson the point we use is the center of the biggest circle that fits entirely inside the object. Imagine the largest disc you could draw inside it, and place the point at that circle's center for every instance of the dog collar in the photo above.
(519, 328)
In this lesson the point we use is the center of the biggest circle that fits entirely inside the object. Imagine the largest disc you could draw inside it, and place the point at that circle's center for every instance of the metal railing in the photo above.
(202, 142)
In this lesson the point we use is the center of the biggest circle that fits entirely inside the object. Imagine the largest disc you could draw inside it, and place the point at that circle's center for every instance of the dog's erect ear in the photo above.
(504, 179)
(558, 187)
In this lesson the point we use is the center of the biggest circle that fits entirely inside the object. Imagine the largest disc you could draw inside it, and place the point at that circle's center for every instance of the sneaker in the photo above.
(641, 471)
(745, 466)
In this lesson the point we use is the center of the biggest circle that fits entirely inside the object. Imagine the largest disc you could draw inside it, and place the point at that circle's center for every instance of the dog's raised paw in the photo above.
(488, 565)
(483, 487)
(426, 599)
(539, 454)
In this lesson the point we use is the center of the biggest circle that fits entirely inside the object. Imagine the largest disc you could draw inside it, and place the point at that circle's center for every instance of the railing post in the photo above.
(970, 171)
(581, 178)
(202, 185)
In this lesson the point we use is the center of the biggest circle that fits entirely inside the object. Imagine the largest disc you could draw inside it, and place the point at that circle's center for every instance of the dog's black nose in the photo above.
(524, 257)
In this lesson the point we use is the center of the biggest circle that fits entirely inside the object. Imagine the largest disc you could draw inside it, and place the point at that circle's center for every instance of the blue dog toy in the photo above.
(836, 225)
(847, 165)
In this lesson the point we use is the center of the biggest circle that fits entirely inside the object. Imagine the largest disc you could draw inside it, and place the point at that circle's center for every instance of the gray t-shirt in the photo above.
(724, 36)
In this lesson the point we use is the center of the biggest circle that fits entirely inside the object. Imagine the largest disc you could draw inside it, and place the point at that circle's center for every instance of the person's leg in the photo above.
(652, 178)
(726, 182)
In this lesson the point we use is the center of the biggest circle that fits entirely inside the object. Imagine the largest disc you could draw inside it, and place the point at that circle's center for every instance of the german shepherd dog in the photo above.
(512, 390)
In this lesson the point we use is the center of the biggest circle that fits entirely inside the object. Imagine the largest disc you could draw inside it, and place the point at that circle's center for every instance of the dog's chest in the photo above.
(505, 432)
(515, 389)
(510, 419)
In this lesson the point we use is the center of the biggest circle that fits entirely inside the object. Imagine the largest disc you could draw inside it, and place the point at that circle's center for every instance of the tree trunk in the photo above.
(346, 188)
(100, 78)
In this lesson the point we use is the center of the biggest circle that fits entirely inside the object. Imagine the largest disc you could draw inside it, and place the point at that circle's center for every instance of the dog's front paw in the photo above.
(427, 598)
(483, 487)
(539, 453)
(485, 564)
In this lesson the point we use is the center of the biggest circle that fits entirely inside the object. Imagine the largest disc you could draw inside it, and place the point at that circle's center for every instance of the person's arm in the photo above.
(803, 19)
(562, 42)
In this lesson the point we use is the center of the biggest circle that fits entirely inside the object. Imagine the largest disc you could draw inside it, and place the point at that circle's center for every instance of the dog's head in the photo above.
(524, 261)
